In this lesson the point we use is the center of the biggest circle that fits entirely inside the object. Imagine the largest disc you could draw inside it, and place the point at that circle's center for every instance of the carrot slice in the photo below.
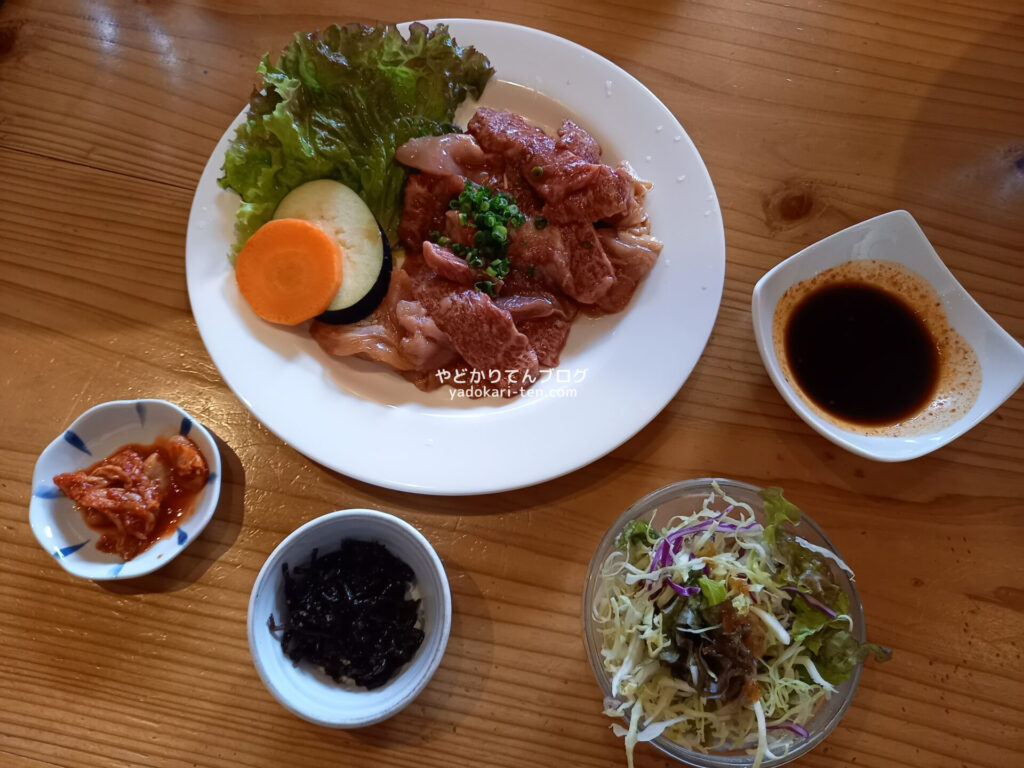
(288, 271)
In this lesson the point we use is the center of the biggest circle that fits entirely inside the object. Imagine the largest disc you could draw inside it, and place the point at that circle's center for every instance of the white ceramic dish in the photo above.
(893, 236)
(368, 423)
(95, 434)
(308, 692)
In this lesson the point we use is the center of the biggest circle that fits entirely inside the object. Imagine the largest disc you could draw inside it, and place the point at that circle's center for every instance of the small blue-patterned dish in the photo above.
(92, 436)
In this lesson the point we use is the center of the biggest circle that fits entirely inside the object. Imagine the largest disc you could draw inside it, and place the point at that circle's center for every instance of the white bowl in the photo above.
(307, 691)
(893, 236)
(92, 436)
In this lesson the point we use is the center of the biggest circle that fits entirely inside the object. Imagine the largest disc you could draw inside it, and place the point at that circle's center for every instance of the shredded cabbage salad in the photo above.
(721, 632)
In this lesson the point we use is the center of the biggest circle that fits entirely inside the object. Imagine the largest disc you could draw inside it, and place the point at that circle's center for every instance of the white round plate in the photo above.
(367, 422)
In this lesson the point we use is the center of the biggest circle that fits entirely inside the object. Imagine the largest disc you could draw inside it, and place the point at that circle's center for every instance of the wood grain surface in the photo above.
(810, 116)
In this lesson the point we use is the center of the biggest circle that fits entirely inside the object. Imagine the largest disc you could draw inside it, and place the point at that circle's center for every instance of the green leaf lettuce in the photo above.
(337, 104)
(835, 651)
(840, 652)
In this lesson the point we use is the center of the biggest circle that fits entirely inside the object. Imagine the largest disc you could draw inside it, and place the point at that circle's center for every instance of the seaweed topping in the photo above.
(349, 612)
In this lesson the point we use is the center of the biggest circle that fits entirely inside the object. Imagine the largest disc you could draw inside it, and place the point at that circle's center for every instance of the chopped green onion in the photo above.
(540, 222)
(492, 215)
(486, 286)
(537, 172)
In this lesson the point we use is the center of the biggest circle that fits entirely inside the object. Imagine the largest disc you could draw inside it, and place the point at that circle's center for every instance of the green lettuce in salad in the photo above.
(336, 105)
(724, 630)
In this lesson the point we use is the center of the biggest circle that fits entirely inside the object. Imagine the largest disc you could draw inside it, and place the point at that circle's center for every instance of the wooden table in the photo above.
(810, 115)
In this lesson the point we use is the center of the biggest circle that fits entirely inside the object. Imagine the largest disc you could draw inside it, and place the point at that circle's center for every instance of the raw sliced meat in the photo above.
(447, 264)
(568, 257)
(522, 308)
(424, 206)
(574, 139)
(554, 173)
(452, 154)
(423, 344)
(585, 245)
(509, 134)
(463, 235)
(372, 338)
(451, 267)
(519, 285)
(487, 339)
(609, 194)
(370, 341)
(632, 256)
(449, 155)
(547, 333)
(547, 336)
(513, 183)
(635, 214)
(398, 333)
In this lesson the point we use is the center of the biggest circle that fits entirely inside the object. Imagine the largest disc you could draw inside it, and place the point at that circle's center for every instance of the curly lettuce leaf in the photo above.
(836, 652)
(336, 105)
(801, 567)
(777, 510)
(839, 653)
(808, 620)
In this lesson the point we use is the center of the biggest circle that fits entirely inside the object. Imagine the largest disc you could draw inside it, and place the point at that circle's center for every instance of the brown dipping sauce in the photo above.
(869, 347)
(862, 353)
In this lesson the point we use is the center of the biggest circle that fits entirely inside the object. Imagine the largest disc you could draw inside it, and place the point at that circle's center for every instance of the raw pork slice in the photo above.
(632, 256)
(398, 334)
(451, 267)
(452, 154)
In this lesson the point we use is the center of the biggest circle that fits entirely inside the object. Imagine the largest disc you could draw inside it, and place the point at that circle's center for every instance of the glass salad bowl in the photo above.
(685, 498)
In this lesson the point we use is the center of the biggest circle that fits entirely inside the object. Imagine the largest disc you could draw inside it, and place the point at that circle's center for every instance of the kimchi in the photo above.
(139, 493)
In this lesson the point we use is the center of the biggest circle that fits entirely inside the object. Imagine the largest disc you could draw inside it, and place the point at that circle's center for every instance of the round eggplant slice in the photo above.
(370, 300)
